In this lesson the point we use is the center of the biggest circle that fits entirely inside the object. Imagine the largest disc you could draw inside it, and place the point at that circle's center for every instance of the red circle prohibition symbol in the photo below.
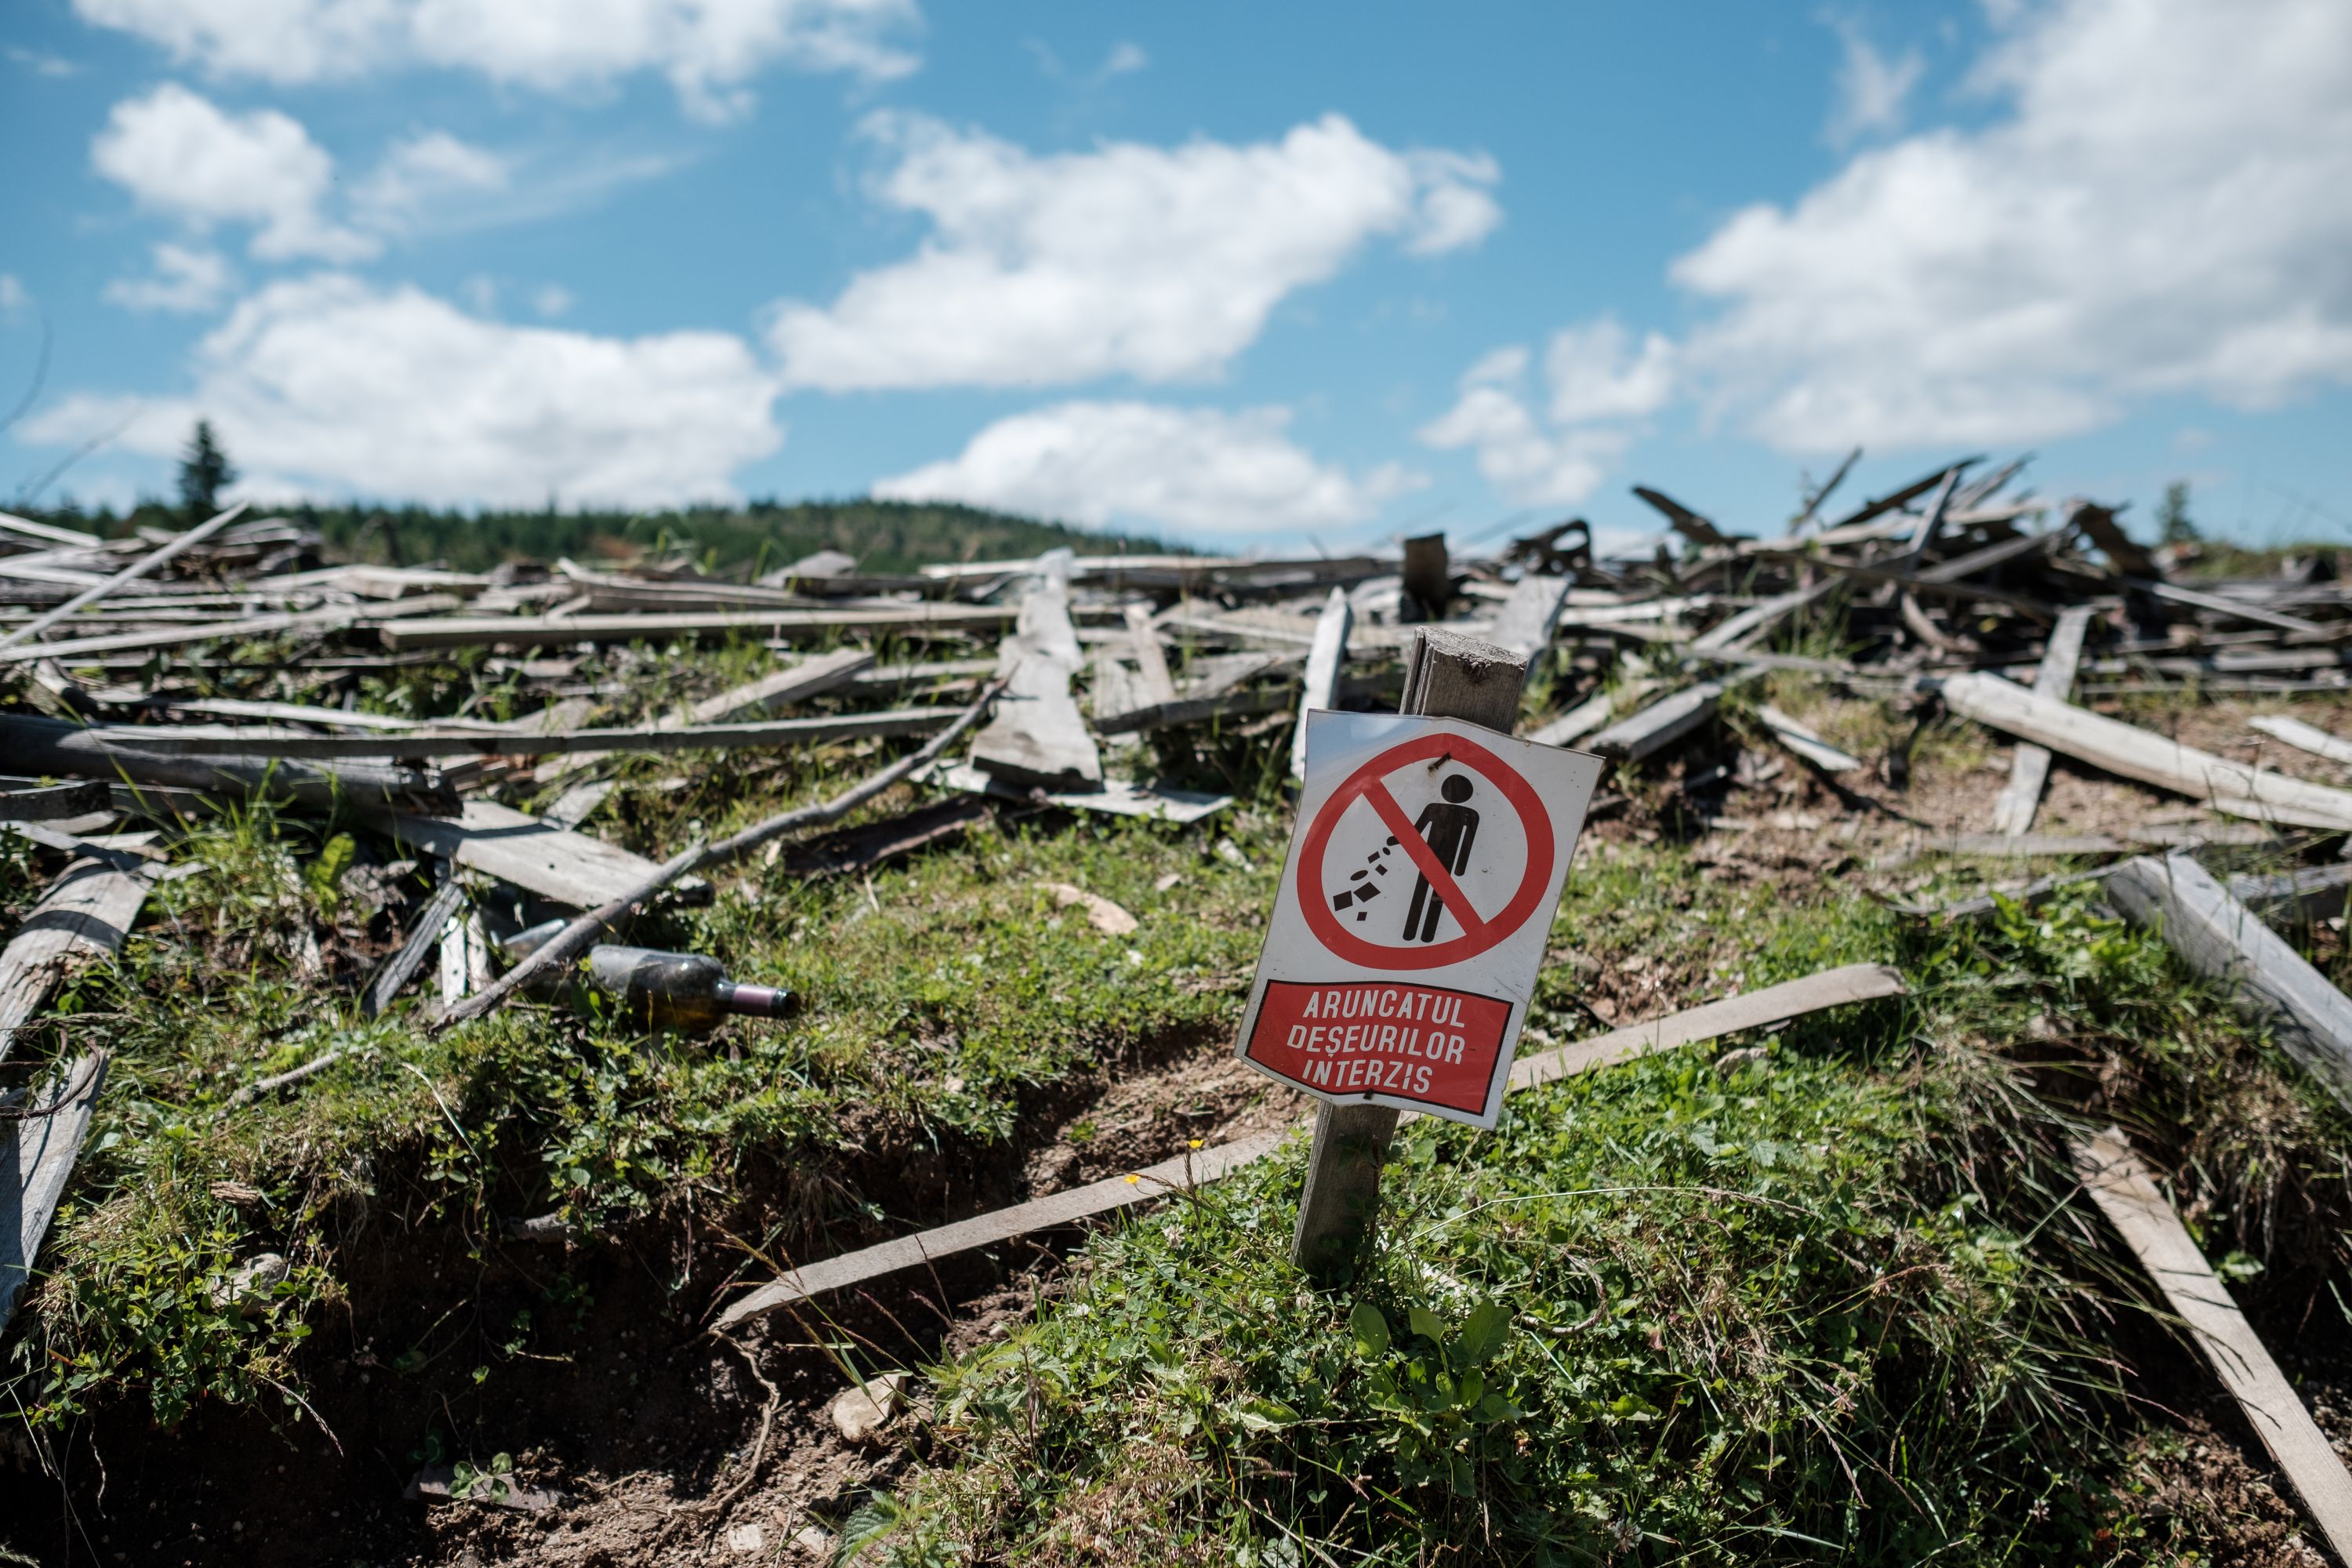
(1477, 935)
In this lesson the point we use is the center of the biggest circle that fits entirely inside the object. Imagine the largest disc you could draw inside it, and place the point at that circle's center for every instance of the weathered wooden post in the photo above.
(1436, 814)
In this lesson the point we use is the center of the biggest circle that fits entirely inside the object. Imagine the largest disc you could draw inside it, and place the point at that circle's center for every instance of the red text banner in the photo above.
(1403, 1041)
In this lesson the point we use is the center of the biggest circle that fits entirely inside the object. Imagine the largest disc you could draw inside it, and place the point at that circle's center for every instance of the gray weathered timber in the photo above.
(2127, 1194)
(151, 562)
(1806, 741)
(575, 869)
(1447, 675)
(1150, 658)
(35, 1159)
(2304, 737)
(1666, 720)
(1038, 735)
(1795, 998)
(2136, 753)
(56, 746)
(1323, 660)
(214, 743)
(2028, 770)
(2312, 893)
(1578, 721)
(1524, 624)
(422, 935)
(2222, 938)
(1699, 530)
(86, 913)
(2233, 609)
(463, 631)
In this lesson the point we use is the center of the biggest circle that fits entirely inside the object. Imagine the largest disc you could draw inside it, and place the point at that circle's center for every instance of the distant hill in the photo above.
(883, 536)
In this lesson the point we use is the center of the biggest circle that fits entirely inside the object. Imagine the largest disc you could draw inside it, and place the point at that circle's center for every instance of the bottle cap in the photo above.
(762, 1000)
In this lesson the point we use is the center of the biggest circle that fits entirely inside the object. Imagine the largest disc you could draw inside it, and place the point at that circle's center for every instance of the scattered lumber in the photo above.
(2121, 748)
(2304, 737)
(53, 746)
(543, 631)
(146, 565)
(2126, 1193)
(1323, 660)
(1805, 741)
(1038, 735)
(576, 869)
(2219, 937)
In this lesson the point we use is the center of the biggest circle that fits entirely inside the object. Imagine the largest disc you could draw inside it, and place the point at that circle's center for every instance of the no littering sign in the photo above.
(1413, 911)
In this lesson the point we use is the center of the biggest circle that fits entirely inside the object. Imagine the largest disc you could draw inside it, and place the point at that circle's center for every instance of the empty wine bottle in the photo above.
(654, 991)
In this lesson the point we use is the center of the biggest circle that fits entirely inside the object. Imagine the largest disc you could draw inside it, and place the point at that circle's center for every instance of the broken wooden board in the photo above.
(72, 650)
(1831, 988)
(2126, 1193)
(1805, 741)
(2028, 770)
(2136, 753)
(36, 1158)
(1155, 684)
(574, 870)
(1578, 723)
(86, 913)
(211, 741)
(2304, 737)
(2222, 938)
(1117, 797)
(536, 631)
(1037, 736)
(1665, 721)
(1323, 660)
(1525, 623)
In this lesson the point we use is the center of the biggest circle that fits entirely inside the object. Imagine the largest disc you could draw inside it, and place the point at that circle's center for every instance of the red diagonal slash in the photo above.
(1424, 859)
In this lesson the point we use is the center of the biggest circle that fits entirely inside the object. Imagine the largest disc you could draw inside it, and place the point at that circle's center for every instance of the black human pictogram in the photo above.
(1450, 828)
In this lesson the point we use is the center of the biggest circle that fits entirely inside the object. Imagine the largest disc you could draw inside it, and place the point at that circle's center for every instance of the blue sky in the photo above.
(1255, 276)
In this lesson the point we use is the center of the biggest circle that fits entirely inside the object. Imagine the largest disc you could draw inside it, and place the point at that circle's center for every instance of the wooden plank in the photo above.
(1323, 660)
(1578, 723)
(873, 844)
(2135, 753)
(1526, 621)
(1686, 522)
(1805, 741)
(795, 683)
(1831, 988)
(394, 976)
(2222, 938)
(2126, 557)
(36, 1162)
(2028, 770)
(1756, 1009)
(531, 631)
(1919, 583)
(2233, 609)
(152, 562)
(575, 869)
(2304, 737)
(1150, 658)
(85, 914)
(2126, 1193)
(49, 532)
(1037, 735)
(1893, 498)
(211, 741)
(1752, 623)
(1447, 675)
(2308, 895)
(1665, 721)
(1117, 797)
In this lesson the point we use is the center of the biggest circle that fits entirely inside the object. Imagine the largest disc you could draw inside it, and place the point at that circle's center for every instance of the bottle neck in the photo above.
(754, 1001)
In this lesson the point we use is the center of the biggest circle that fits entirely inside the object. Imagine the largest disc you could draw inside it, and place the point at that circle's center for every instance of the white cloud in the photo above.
(708, 48)
(424, 173)
(178, 153)
(13, 294)
(1872, 89)
(185, 278)
(43, 65)
(1159, 263)
(1197, 470)
(1599, 389)
(2163, 205)
(327, 385)
(1125, 57)
(1594, 375)
(552, 300)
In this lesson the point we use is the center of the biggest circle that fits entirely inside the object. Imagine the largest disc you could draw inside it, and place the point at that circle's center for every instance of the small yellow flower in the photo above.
(1132, 1180)
(1196, 1143)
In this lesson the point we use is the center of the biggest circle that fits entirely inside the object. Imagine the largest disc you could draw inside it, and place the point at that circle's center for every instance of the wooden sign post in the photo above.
(1372, 1017)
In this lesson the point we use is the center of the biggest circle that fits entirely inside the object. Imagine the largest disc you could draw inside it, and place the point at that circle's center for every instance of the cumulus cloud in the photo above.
(13, 294)
(423, 171)
(1158, 262)
(1196, 470)
(1599, 386)
(176, 153)
(1871, 88)
(327, 385)
(2162, 204)
(183, 278)
(708, 48)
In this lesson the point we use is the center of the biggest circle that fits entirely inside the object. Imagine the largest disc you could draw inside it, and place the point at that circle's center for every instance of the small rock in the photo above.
(1730, 1062)
(248, 1289)
(238, 1193)
(1101, 913)
(1173, 879)
(1231, 854)
(746, 1538)
(859, 1413)
(551, 1229)
(813, 1538)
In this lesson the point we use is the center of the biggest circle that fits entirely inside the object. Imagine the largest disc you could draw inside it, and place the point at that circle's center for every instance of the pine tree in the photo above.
(2172, 518)
(204, 472)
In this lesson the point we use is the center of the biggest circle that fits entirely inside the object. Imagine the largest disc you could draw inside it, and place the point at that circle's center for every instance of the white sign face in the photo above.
(1413, 911)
